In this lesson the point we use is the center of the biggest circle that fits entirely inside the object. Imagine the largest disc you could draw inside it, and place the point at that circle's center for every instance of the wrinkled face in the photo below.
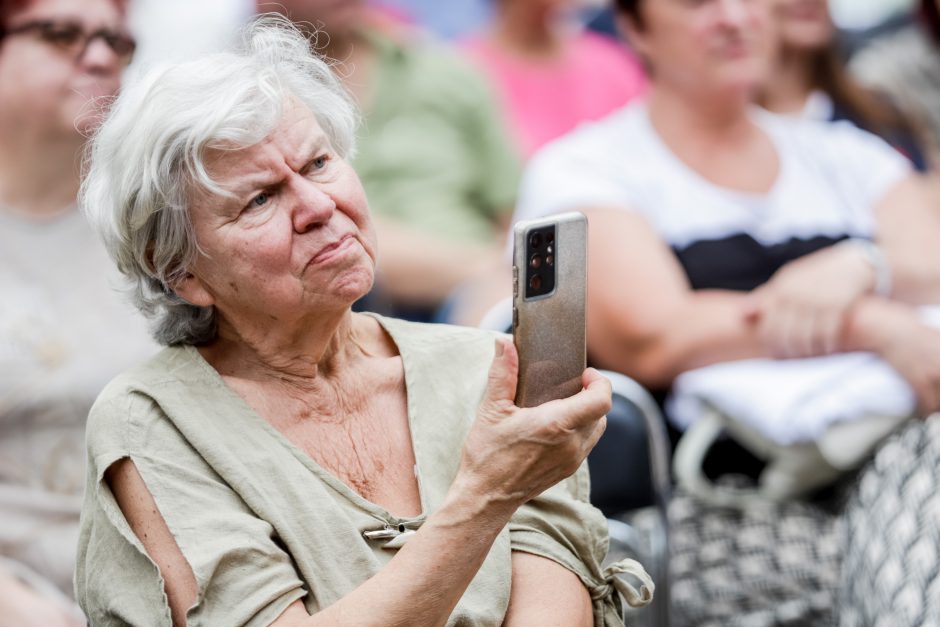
(336, 16)
(803, 24)
(705, 44)
(296, 241)
(49, 90)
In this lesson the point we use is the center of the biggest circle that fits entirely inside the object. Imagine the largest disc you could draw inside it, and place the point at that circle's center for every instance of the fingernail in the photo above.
(500, 348)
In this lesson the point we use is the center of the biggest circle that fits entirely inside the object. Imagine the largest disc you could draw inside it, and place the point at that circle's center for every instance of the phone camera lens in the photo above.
(536, 262)
(550, 260)
(550, 237)
(535, 282)
(535, 240)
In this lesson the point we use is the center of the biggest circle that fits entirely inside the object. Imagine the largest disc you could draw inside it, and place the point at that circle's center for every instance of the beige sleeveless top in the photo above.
(262, 524)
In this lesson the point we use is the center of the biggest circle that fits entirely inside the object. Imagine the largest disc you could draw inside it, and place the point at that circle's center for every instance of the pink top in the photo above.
(546, 99)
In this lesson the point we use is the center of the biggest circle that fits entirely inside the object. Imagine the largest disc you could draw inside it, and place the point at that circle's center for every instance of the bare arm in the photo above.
(643, 317)
(545, 593)
(908, 221)
(645, 320)
(423, 269)
(510, 456)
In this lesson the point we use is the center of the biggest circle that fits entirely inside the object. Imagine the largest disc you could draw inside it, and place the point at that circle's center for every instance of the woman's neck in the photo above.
(791, 83)
(39, 179)
(527, 31)
(323, 347)
(700, 118)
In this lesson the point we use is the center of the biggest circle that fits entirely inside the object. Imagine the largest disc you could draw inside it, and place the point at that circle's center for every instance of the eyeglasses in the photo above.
(71, 38)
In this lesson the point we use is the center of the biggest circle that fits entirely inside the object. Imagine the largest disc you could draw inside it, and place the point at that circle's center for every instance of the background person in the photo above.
(64, 331)
(906, 66)
(551, 73)
(809, 77)
(285, 457)
(715, 232)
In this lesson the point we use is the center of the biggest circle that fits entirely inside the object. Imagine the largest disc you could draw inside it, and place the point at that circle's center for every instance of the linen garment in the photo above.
(261, 524)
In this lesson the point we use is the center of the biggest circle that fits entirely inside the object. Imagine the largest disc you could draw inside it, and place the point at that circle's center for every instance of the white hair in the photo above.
(147, 159)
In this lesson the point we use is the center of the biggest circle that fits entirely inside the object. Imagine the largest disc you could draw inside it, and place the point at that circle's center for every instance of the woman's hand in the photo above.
(513, 454)
(801, 311)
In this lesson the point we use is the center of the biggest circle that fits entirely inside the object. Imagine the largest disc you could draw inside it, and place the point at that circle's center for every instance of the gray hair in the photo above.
(147, 159)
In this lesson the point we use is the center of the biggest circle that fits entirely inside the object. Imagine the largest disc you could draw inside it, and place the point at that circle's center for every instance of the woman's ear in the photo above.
(191, 289)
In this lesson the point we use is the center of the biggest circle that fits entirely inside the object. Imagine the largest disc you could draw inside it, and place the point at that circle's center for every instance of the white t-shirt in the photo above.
(64, 333)
(832, 176)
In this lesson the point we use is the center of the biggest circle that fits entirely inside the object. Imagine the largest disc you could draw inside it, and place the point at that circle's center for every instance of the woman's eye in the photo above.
(259, 201)
(319, 163)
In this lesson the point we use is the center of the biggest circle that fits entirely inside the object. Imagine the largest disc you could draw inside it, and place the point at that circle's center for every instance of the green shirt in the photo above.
(433, 152)
(262, 524)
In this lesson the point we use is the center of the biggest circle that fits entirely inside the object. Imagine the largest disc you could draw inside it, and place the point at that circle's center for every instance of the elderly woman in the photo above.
(285, 461)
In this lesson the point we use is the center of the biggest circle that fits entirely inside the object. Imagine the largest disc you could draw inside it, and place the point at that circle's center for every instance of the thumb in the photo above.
(501, 385)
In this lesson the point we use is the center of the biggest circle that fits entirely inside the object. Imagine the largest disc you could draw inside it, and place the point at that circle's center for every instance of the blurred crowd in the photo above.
(762, 188)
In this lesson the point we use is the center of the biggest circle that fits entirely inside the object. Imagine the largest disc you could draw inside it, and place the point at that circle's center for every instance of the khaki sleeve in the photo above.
(244, 576)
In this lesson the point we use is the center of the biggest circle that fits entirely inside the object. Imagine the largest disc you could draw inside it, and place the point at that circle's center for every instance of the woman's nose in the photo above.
(313, 206)
(99, 58)
(735, 12)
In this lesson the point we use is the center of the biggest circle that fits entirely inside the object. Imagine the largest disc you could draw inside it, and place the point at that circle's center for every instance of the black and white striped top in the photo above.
(832, 177)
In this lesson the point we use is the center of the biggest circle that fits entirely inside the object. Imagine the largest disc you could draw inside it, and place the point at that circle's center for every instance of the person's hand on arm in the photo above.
(801, 311)
(510, 456)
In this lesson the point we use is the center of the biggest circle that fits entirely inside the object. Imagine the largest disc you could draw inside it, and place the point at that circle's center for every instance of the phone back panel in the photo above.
(549, 330)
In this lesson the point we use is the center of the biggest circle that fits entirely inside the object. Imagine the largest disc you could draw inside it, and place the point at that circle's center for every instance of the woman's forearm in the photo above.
(422, 584)
(707, 327)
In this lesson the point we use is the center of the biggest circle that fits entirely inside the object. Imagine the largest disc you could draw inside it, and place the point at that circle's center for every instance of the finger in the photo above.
(596, 434)
(806, 334)
(504, 371)
(585, 407)
(831, 332)
(590, 377)
(773, 331)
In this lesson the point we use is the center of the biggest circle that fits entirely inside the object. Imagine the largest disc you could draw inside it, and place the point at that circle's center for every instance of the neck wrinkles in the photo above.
(323, 348)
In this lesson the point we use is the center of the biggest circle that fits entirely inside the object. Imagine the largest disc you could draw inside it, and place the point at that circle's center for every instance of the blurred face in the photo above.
(803, 24)
(337, 16)
(704, 44)
(297, 240)
(50, 82)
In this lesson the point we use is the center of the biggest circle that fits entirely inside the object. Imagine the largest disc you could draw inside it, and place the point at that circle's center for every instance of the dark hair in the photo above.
(930, 14)
(8, 8)
(869, 109)
(631, 8)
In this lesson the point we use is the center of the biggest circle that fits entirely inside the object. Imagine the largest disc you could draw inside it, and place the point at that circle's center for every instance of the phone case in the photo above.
(549, 328)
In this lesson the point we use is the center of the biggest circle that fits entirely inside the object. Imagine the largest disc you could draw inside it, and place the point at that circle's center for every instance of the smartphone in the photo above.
(548, 309)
